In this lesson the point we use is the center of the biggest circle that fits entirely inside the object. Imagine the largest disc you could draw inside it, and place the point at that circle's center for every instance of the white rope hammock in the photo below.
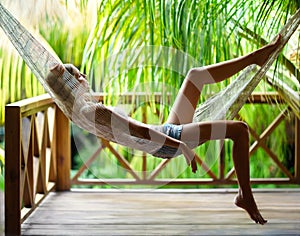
(78, 104)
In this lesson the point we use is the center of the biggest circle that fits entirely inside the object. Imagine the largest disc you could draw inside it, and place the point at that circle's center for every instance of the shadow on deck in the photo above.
(162, 212)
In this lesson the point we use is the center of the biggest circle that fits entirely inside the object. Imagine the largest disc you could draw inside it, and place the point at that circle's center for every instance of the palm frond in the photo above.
(62, 28)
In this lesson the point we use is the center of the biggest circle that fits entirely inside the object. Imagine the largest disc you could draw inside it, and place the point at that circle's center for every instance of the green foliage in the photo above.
(1, 182)
(62, 27)
(1, 170)
(208, 31)
(261, 164)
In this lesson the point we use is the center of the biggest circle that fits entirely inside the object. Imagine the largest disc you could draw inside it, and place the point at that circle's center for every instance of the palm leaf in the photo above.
(49, 21)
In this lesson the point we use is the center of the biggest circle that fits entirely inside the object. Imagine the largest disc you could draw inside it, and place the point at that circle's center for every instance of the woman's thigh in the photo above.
(198, 133)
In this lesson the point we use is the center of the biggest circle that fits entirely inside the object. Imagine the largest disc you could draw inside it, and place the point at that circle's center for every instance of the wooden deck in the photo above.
(162, 212)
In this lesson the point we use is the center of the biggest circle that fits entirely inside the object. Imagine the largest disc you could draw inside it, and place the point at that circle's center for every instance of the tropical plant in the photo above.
(62, 26)
(209, 31)
(1, 169)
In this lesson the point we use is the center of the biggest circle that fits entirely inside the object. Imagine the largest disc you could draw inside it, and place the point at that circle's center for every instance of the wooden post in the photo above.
(12, 170)
(297, 150)
(222, 160)
(63, 151)
(144, 166)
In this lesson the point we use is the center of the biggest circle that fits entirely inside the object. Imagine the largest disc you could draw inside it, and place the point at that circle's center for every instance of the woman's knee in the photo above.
(238, 129)
(192, 73)
(200, 75)
(195, 75)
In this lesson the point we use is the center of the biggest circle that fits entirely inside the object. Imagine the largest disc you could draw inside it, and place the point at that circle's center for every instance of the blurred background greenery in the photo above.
(88, 32)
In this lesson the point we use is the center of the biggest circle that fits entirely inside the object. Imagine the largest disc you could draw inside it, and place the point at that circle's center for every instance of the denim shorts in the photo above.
(173, 131)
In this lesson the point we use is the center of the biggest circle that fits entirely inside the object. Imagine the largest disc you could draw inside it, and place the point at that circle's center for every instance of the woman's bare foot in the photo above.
(262, 54)
(249, 205)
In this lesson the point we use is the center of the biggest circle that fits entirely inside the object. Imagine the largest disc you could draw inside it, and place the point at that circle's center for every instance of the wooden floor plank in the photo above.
(162, 213)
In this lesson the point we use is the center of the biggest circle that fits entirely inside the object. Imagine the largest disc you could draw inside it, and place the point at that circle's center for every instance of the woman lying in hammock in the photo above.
(180, 134)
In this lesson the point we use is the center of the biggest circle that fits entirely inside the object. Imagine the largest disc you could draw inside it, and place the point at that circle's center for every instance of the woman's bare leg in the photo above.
(239, 134)
(188, 97)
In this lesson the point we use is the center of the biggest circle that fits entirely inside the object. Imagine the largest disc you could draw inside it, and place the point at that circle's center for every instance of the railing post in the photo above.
(63, 151)
(12, 170)
(222, 160)
(297, 150)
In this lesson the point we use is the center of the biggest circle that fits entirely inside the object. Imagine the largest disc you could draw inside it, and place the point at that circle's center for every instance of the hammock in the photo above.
(78, 104)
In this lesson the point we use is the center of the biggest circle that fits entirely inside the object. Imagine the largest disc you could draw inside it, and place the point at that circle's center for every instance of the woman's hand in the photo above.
(189, 156)
(75, 72)
(56, 71)
(59, 69)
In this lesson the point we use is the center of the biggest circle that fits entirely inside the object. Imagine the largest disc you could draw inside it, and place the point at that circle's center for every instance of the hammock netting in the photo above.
(78, 104)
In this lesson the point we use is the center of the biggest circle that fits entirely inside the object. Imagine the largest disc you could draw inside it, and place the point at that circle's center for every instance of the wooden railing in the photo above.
(37, 152)
(37, 157)
(223, 177)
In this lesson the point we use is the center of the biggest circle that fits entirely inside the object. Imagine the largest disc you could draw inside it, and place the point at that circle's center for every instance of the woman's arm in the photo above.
(143, 131)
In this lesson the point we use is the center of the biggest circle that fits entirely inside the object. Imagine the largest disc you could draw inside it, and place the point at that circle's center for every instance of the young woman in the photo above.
(180, 135)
